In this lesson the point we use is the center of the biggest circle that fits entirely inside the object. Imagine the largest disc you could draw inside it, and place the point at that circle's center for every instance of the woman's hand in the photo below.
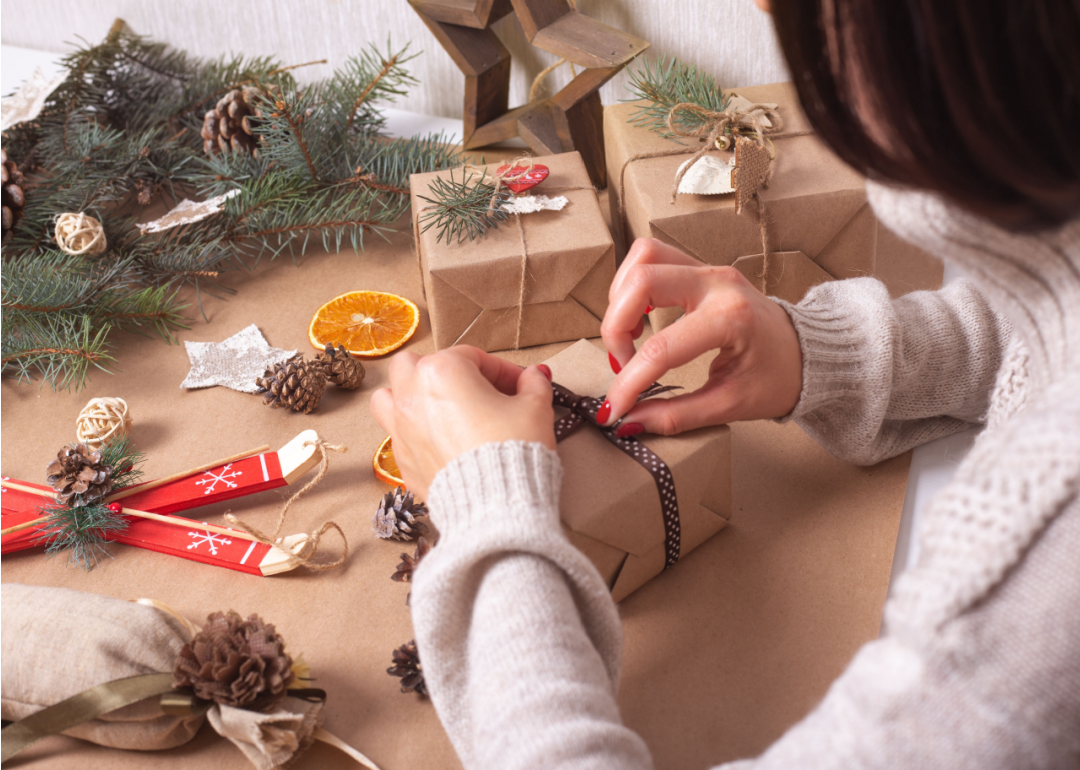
(756, 374)
(440, 406)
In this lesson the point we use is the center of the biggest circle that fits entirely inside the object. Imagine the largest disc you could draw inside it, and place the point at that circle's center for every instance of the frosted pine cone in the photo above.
(79, 476)
(396, 518)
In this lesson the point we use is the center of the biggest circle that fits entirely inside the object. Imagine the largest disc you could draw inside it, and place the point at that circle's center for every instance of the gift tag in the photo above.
(537, 175)
(708, 176)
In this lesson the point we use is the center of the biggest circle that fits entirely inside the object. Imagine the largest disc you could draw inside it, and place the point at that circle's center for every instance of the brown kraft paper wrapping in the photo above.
(472, 287)
(610, 505)
(815, 204)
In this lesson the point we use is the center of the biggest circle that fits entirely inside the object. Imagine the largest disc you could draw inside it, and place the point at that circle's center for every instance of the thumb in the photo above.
(534, 382)
(669, 416)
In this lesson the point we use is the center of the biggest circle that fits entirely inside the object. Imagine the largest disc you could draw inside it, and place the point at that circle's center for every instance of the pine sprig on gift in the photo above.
(82, 530)
(462, 209)
(668, 83)
(123, 132)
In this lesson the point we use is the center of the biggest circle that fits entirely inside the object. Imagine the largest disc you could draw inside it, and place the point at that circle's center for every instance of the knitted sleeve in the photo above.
(881, 376)
(519, 640)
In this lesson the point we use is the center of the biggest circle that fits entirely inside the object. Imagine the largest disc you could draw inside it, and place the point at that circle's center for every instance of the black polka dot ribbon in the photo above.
(583, 410)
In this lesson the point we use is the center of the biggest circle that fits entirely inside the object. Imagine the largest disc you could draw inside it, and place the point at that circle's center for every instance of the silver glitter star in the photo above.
(234, 363)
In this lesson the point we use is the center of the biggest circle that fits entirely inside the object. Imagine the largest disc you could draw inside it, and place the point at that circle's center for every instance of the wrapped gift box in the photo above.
(816, 204)
(473, 287)
(610, 504)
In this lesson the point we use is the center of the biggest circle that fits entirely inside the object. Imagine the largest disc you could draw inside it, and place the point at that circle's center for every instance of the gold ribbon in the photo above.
(306, 561)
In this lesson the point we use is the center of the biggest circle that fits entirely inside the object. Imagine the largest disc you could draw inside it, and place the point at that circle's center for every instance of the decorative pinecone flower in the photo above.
(235, 662)
(341, 368)
(294, 384)
(407, 666)
(14, 199)
(396, 518)
(78, 475)
(228, 127)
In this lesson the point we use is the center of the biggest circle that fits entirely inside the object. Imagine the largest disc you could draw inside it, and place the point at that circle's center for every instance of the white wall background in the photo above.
(732, 39)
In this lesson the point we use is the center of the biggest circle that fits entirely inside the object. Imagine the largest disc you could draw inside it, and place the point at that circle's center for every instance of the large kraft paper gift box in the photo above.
(611, 506)
(473, 287)
(816, 205)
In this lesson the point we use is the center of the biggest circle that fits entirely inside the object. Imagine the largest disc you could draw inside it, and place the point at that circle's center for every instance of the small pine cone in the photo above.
(408, 565)
(78, 475)
(407, 666)
(11, 189)
(341, 368)
(228, 127)
(235, 662)
(397, 519)
(295, 384)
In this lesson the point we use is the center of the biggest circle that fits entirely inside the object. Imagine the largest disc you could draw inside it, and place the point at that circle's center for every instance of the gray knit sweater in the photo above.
(979, 665)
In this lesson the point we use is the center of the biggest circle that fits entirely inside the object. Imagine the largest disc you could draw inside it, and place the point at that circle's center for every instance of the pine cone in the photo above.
(13, 197)
(235, 662)
(407, 666)
(295, 384)
(396, 518)
(408, 565)
(78, 475)
(341, 368)
(229, 125)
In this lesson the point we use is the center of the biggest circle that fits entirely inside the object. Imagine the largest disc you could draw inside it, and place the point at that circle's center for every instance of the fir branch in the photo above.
(666, 84)
(59, 348)
(463, 209)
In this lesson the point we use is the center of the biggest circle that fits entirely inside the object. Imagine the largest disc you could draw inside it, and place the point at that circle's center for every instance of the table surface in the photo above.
(789, 592)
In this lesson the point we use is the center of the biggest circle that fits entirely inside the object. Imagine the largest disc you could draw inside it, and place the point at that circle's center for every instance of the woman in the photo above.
(966, 115)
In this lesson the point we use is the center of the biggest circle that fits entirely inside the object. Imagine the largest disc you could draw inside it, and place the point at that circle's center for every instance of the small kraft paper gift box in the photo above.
(633, 506)
(819, 224)
(537, 278)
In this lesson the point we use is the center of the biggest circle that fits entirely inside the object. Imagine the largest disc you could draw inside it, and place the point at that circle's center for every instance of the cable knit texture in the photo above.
(979, 665)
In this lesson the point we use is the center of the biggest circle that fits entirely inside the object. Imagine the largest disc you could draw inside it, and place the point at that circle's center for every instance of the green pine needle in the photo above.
(462, 209)
(82, 529)
(664, 85)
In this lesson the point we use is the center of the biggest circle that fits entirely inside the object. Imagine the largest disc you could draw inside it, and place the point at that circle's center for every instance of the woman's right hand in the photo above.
(757, 372)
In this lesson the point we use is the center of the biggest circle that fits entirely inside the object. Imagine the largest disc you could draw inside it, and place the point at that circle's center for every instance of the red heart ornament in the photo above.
(532, 179)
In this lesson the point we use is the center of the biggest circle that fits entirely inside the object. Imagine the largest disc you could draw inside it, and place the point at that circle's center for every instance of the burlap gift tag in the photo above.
(56, 643)
(817, 209)
(473, 287)
(610, 505)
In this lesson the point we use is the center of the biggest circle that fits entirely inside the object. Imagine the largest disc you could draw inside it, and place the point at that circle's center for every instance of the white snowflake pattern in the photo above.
(223, 476)
(4, 478)
(210, 539)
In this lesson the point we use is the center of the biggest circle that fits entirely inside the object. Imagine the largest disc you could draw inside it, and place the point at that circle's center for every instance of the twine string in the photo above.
(313, 538)
(534, 89)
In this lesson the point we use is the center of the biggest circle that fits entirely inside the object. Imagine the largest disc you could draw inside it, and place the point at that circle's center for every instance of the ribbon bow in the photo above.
(583, 409)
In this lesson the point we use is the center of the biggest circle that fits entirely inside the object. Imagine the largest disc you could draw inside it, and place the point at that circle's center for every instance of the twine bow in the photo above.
(312, 541)
(721, 128)
(583, 409)
(515, 171)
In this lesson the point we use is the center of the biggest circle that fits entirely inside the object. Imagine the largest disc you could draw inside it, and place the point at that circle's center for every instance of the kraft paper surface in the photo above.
(768, 612)
(815, 204)
(473, 287)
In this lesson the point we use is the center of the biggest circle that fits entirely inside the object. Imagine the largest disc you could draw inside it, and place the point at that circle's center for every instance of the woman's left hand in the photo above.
(440, 406)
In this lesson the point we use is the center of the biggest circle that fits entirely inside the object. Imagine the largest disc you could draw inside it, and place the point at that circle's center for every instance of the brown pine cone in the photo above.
(295, 384)
(228, 127)
(396, 518)
(235, 662)
(407, 666)
(14, 199)
(78, 475)
(341, 368)
(408, 565)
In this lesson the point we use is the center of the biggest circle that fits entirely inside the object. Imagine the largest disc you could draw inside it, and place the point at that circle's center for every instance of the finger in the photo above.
(382, 408)
(401, 370)
(649, 251)
(678, 344)
(498, 371)
(657, 285)
(534, 382)
(712, 404)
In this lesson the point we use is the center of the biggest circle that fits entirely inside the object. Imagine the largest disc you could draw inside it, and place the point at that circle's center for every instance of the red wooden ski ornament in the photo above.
(152, 528)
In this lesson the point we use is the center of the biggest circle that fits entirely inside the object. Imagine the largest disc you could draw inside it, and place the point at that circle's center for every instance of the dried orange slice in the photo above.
(385, 466)
(367, 323)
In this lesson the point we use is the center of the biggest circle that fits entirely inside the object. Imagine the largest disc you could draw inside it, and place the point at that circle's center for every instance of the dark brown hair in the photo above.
(978, 100)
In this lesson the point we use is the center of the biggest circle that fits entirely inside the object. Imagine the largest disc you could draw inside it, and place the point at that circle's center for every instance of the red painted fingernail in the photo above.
(603, 413)
(648, 309)
(545, 370)
(629, 429)
(614, 363)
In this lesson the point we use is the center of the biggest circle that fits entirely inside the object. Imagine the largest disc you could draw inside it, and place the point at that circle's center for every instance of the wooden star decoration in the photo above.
(572, 119)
